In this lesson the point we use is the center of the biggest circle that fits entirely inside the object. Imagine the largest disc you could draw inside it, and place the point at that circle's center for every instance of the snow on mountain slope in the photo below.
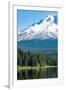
(44, 29)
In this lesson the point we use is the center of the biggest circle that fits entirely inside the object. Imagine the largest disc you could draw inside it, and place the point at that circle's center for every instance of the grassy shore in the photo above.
(28, 67)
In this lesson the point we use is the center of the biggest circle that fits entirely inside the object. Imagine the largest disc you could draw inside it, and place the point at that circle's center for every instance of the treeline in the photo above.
(33, 59)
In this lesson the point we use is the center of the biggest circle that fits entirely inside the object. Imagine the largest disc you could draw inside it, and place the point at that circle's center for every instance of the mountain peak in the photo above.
(49, 18)
(44, 29)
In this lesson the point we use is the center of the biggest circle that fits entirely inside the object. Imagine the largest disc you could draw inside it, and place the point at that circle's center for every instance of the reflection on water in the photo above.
(37, 74)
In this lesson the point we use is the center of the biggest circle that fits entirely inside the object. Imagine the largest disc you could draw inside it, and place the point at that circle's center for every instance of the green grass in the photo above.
(29, 68)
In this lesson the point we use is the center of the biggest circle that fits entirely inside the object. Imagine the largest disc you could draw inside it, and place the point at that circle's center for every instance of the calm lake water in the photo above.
(37, 73)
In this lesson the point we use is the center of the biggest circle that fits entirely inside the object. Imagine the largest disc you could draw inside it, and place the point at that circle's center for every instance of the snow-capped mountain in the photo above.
(44, 29)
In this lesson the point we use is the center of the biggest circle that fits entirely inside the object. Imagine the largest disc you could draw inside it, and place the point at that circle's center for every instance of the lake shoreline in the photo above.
(29, 68)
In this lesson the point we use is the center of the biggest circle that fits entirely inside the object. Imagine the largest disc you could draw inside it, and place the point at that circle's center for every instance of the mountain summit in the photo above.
(44, 29)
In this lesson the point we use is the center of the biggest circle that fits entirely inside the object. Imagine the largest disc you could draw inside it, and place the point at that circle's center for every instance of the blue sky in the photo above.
(27, 17)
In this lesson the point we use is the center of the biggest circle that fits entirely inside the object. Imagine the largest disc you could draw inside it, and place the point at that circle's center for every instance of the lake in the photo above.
(37, 73)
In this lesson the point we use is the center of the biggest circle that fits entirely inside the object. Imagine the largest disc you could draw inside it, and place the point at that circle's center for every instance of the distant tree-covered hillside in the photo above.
(35, 59)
